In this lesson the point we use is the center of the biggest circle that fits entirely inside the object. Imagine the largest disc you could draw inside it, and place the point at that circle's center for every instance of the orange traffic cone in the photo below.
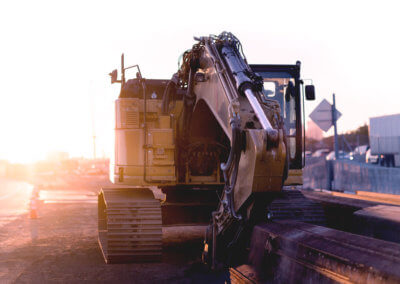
(33, 209)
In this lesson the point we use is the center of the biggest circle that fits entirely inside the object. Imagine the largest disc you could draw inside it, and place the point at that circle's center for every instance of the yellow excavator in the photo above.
(219, 139)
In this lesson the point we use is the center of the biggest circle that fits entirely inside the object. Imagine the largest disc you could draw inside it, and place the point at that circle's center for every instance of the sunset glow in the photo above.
(55, 89)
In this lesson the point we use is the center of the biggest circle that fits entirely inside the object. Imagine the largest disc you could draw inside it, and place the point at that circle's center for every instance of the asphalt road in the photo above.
(61, 246)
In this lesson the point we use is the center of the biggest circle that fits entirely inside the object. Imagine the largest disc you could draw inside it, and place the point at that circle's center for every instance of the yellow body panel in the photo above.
(295, 177)
(133, 150)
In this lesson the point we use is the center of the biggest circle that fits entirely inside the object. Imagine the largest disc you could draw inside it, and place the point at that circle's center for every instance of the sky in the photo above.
(55, 57)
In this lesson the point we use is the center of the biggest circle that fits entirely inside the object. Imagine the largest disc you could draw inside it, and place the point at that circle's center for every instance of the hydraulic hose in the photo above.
(169, 90)
(188, 103)
(230, 168)
(166, 98)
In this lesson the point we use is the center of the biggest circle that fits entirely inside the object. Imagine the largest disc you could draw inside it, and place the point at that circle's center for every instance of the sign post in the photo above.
(334, 119)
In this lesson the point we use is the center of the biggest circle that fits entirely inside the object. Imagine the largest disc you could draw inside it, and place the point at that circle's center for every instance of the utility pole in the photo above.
(335, 127)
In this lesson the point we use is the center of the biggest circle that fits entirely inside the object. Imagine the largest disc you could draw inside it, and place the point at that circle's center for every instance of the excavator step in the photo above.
(130, 225)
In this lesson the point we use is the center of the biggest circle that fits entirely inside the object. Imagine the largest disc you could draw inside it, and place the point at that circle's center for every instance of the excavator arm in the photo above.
(217, 75)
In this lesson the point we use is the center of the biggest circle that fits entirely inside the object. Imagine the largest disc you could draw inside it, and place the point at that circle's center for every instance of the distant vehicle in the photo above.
(342, 156)
(320, 153)
(371, 159)
(359, 153)
(307, 154)
(361, 150)
(384, 137)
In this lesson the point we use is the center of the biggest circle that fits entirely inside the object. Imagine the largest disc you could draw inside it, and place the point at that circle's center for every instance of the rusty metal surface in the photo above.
(130, 225)
(376, 216)
(380, 221)
(294, 252)
(292, 205)
(243, 274)
(383, 212)
(328, 197)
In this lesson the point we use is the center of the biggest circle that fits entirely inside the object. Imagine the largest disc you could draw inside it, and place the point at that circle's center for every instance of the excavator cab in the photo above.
(283, 84)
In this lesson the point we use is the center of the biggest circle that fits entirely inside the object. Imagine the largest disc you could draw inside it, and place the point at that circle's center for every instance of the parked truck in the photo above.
(384, 136)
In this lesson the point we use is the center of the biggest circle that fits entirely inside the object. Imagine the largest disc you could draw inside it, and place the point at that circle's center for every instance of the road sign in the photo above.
(322, 115)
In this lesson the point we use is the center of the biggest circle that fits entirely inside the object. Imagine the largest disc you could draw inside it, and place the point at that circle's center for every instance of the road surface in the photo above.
(61, 246)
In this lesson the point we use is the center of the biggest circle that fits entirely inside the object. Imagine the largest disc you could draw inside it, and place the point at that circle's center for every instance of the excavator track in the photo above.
(130, 225)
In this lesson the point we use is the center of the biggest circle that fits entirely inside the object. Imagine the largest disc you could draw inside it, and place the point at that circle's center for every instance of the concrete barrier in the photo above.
(345, 175)
(352, 176)
(317, 174)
